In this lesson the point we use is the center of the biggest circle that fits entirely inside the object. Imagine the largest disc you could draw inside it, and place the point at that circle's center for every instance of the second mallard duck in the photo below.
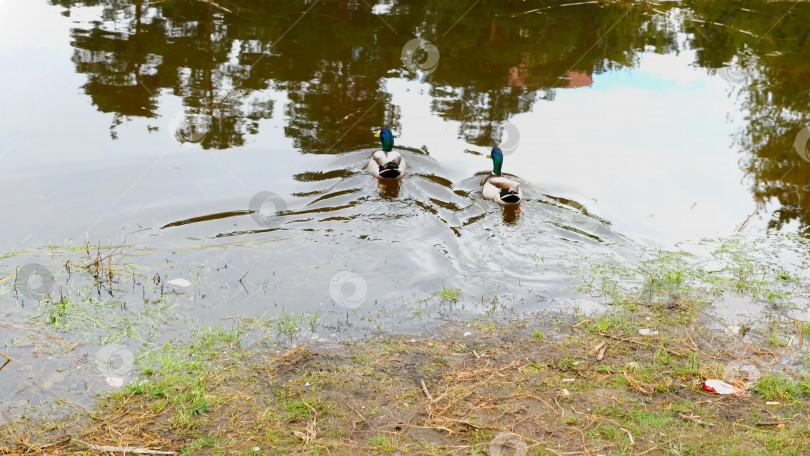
(387, 163)
(498, 188)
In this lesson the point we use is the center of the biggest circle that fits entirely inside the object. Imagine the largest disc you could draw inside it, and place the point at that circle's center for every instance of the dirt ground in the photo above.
(624, 382)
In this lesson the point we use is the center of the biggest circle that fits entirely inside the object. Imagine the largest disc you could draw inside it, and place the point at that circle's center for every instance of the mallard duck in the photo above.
(387, 163)
(498, 188)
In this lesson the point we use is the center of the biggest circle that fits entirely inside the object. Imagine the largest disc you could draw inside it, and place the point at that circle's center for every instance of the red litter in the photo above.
(721, 387)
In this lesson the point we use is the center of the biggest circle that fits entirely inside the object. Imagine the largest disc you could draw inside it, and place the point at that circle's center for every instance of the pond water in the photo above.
(225, 144)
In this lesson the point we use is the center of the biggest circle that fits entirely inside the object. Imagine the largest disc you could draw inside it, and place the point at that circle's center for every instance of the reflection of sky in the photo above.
(648, 148)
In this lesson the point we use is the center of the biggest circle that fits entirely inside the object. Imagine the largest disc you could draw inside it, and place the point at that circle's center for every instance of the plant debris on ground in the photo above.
(625, 382)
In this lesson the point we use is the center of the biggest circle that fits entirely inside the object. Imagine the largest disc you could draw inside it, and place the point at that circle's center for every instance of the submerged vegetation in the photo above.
(449, 294)
(706, 273)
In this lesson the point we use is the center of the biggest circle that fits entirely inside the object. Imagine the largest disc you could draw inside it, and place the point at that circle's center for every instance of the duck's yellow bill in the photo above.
(376, 135)
(489, 156)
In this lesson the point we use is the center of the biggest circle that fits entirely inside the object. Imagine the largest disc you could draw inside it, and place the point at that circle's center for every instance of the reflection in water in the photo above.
(331, 76)
(332, 68)
(510, 214)
(389, 188)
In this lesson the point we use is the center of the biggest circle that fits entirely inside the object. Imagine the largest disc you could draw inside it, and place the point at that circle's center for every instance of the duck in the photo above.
(387, 163)
(498, 188)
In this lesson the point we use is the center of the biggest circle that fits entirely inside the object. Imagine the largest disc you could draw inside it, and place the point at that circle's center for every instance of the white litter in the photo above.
(115, 382)
(179, 282)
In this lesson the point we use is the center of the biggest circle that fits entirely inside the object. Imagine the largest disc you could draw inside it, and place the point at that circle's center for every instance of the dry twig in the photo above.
(109, 449)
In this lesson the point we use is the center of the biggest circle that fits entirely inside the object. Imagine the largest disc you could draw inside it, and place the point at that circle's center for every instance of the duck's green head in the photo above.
(387, 139)
(497, 160)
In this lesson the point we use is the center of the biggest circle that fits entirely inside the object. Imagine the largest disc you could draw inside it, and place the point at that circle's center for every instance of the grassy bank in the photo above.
(625, 382)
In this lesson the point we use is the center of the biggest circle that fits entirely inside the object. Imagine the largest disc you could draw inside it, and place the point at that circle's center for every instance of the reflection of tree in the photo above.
(526, 54)
(771, 43)
(497, 60)
(333, 62)
(714, 45)
(181, 46)
(120, 70)
(331, 70)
